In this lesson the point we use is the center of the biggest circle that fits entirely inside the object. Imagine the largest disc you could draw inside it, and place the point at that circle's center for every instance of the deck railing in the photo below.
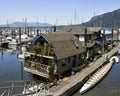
(36, 66)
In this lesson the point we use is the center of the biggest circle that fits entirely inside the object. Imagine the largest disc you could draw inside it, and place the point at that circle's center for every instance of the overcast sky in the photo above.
(60, 12)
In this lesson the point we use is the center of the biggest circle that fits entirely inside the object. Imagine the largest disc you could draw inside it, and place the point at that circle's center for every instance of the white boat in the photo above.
(24, 39)
(97, 77)
(23, 54)
(12, 41)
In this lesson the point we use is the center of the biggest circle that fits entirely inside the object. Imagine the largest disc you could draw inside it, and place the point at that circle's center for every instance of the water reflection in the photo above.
(11, 68)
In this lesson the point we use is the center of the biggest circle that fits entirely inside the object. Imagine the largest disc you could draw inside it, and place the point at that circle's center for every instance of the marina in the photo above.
(59, 48)
(22, 75)
(43, 53)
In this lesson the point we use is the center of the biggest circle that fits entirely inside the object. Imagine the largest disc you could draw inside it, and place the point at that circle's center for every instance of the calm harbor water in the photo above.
(109, 86)
(11, 68)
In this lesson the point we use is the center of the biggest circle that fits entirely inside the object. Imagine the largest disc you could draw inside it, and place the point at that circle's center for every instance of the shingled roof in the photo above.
(94, 29)
(75, 29)
(65, 45)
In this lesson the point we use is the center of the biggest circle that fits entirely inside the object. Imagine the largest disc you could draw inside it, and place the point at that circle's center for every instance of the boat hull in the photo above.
(96, 78)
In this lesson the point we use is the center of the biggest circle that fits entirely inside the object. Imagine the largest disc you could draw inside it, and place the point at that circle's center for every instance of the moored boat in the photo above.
(24, 39)
(12, 41)
(96, 77)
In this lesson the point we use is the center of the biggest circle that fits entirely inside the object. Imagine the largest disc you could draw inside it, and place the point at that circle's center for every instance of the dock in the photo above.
(74, 83)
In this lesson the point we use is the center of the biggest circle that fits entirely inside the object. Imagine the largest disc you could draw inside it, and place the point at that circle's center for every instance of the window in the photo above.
(69, 59)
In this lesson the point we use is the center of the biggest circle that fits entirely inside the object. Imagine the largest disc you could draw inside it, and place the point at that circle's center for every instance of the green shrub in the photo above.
(85, 62)
(97, 56)
(51, 73)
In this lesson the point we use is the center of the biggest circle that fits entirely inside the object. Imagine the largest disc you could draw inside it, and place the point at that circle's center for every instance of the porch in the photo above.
(37, 68)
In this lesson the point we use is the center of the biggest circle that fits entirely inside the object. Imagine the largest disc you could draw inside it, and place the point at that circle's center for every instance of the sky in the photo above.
(59, 12)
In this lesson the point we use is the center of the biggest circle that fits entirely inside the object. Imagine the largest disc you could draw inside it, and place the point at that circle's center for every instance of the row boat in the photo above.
(96, 78)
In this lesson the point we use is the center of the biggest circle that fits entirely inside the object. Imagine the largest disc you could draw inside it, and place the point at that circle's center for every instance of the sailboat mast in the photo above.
(75, 17)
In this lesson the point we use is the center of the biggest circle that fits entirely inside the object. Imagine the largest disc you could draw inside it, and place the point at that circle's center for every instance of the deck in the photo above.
(36, 68)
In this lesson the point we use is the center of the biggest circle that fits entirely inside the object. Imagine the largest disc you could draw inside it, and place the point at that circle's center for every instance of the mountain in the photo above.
(28, 24)
(110, 19)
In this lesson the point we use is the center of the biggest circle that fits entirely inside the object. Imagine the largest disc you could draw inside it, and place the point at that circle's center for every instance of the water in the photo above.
(109, 86)
(11, 69)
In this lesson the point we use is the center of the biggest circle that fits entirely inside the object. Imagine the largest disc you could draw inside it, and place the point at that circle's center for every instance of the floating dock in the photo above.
(75, 82)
